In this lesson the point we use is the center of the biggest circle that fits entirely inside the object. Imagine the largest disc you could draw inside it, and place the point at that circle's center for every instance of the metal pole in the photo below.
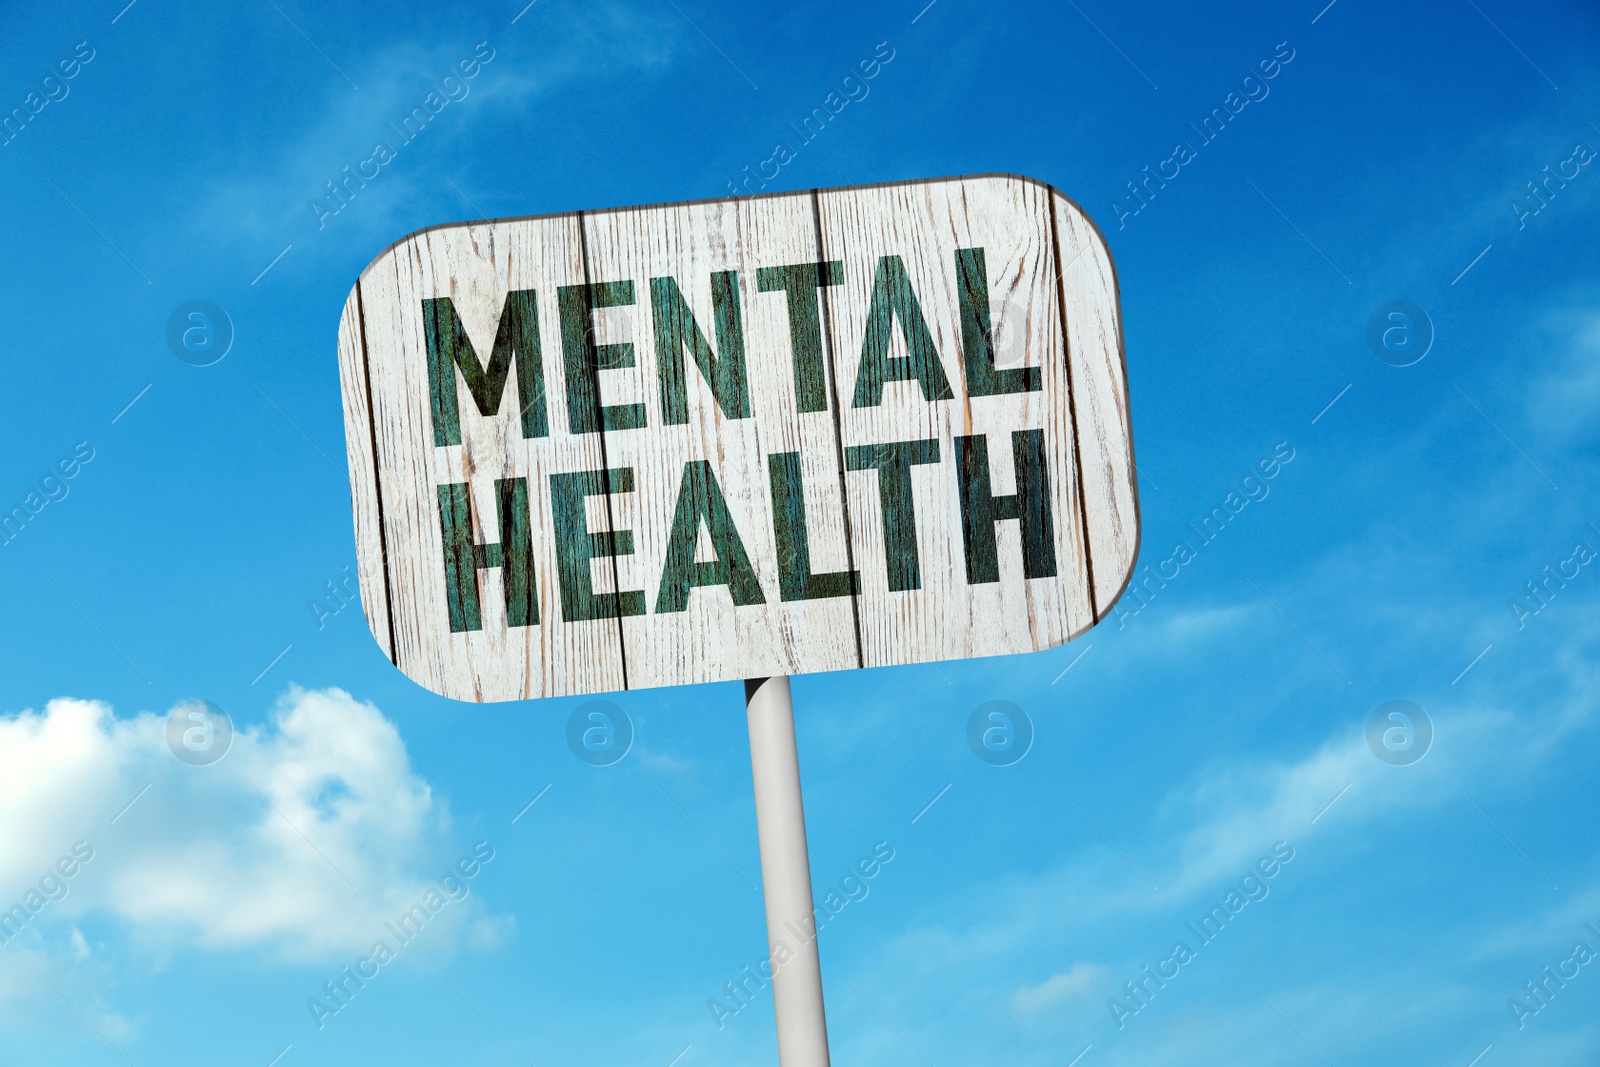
(786, 875)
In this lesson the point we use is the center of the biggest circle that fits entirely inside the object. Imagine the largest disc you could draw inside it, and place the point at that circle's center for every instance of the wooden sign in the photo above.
(738, 438)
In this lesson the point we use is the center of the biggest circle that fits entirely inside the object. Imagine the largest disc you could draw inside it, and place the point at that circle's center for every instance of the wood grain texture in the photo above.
(924, 224)
(1093, 313)
(365, 492)
(712, 639)
(770, 373)
(476, 266)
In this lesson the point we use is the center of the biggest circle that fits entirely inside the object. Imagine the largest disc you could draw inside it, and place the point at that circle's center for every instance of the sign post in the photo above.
(741, 439)
(785, 872)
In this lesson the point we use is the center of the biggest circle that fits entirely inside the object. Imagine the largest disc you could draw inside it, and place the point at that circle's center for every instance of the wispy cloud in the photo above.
(1564, 393)
(1082, 982)
(266, 201)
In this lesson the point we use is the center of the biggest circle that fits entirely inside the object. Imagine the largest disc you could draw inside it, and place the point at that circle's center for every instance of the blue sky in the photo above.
(1189, 739)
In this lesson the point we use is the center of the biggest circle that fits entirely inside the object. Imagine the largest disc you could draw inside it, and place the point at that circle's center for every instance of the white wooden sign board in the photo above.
(830, 429)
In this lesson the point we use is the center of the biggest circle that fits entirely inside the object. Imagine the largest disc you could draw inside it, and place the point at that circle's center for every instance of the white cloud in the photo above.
(1183, 630)
(665, 762)
(309, 835)
(1083, 982)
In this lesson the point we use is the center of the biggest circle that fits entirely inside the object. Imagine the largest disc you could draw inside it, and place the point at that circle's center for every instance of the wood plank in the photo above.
(371, 569)
(708, 636)
(476, 267)
(1100, 391)
(924, 224)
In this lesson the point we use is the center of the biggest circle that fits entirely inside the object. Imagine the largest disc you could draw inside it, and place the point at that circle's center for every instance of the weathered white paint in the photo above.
(1052, 291)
